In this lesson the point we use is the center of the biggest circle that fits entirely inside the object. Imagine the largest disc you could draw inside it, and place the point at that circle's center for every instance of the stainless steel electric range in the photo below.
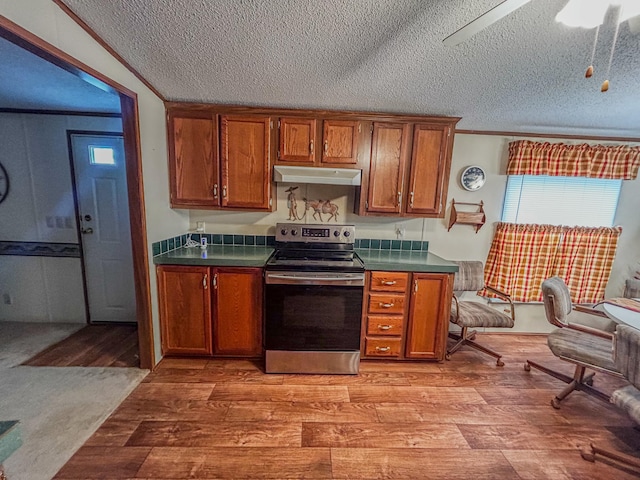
(314, 284)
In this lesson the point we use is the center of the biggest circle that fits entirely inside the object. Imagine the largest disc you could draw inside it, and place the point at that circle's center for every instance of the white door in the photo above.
(103, 208)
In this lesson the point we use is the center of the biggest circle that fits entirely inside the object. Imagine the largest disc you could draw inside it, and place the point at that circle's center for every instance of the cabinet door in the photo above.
(388, 158)
(430, 164)
(429, 310)
(237, 320)
(185, 310)
(193, 160)
(297, 140)
(246, 161)
(340, 142)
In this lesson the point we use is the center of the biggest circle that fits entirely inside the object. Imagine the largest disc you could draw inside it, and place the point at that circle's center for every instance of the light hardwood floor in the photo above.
(461, 419)
(93, 346)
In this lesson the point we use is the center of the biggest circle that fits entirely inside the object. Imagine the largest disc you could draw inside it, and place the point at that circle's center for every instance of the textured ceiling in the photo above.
(524, 73)
(29, 82)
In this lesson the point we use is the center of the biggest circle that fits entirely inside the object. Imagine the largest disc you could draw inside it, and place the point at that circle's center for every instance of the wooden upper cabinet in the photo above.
(386, 174)
(430, 165)
(246, 161)
(429, 310)
(185, 310)
(340, 142)
(193, 159)
(237, 319)
(297, 140)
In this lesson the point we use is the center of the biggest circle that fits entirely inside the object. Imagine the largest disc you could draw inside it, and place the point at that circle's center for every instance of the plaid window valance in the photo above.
(557, 159)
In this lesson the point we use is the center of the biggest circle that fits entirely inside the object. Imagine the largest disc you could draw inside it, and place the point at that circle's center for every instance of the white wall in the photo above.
(33, 150)
(46, 20)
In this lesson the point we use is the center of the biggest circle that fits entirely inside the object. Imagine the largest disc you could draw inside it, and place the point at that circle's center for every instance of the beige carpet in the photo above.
(58, 407)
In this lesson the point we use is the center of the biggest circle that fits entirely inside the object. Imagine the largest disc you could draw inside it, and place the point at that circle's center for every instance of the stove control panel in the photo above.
(314, 233)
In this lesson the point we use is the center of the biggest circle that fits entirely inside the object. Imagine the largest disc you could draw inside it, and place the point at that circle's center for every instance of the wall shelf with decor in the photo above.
(474, 218)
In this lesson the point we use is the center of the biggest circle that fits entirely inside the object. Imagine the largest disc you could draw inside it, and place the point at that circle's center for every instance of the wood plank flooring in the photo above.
(461, 419)
(93, 346)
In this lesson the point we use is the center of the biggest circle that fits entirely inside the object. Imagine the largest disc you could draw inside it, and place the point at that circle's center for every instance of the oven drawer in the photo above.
(386, 303)
(389, 281)
(384, 325)
(382, 347)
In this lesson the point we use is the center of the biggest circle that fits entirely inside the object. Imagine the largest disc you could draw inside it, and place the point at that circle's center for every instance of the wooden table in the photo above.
(622, 315)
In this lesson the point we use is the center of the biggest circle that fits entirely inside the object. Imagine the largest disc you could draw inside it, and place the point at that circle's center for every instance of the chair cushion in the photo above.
(628, 399)
(476, 314)
(593, 321)
(582, 347)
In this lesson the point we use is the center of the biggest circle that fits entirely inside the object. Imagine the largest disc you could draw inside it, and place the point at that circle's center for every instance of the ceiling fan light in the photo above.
(583, 13)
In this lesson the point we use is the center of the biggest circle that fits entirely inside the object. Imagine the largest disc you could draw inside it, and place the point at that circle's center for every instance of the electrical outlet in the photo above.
(200, 227)
(6, 299)
(400, 231)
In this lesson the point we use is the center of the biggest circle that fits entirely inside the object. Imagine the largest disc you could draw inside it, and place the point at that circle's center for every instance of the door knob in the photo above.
(87, 231)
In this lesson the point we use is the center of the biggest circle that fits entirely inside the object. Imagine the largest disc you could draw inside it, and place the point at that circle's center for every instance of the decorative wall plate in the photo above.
(472, 178)
(4, 183)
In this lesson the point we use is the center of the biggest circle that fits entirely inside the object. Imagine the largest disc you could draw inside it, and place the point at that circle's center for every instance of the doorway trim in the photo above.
(135, 188)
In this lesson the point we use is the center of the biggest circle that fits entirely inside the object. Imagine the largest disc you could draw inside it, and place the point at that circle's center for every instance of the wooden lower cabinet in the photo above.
(406, 315)
(185, 310)
(207, 311)
(237, 318)
(429, 311)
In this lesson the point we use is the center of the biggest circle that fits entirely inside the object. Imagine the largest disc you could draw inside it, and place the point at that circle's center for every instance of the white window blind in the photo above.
(572, 201)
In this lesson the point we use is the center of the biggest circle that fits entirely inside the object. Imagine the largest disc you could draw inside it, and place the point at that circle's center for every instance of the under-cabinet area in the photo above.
(222, 157)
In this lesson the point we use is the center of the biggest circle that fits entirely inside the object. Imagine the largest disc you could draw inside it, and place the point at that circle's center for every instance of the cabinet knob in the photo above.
(388, 282)
(384, 327)
(386, 305)
(383, 349)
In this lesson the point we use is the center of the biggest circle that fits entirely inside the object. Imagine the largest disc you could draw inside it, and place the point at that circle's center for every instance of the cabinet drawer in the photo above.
(384, 325)
(382, 347)
(386, 303)
(389, 281)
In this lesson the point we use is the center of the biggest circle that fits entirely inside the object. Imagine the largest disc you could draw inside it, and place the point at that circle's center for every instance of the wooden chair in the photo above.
(627, 359)
(471, 314)
(582, 338)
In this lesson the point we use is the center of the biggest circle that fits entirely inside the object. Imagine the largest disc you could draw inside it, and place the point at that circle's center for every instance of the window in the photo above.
(551, 200)
(101, 155)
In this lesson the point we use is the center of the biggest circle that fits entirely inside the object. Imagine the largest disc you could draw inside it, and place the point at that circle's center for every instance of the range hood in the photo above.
(327, 176)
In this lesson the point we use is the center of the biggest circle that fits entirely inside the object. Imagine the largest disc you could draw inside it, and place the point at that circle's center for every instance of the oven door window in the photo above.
(309, 317)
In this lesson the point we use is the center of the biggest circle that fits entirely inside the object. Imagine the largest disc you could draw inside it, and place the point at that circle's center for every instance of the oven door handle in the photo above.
(324, 279)
(337, 280)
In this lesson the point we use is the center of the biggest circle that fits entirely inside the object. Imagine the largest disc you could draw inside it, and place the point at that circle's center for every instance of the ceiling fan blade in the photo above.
(483, 21)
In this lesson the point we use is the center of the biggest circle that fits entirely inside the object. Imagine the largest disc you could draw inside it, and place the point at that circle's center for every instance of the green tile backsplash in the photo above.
(164, 246)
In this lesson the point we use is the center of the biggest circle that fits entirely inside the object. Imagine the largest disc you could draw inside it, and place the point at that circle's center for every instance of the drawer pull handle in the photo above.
(388, 283)
(386, 305)
(383, 349)
(384, 327)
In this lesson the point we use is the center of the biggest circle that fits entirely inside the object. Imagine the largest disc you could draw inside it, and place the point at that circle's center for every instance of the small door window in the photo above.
(100, 155)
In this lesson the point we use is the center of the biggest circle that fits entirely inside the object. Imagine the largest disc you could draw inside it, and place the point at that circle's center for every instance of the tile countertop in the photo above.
(217, 256)
(405, 261)
(250, 256)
